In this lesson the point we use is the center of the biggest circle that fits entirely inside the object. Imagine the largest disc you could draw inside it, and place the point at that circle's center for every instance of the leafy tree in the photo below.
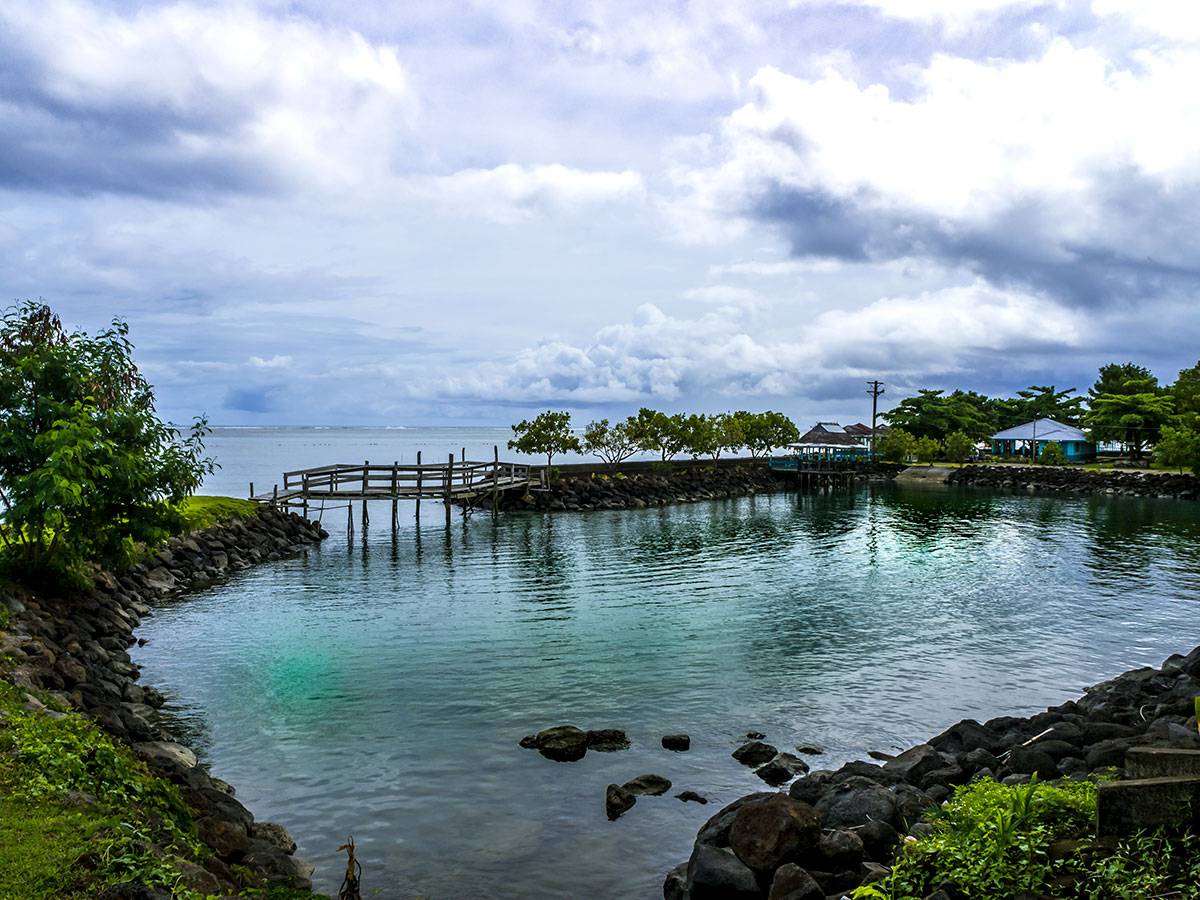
(1052, 454)
(656, 431)
(1186, 391)
(897, 445)
(729, 434)
(959, 446)
(700, 436)
(935, 415)
(613, 444)
(926, 449)
(87, 469)
(1121, 378)
(1179, 447)
(762, 432)
(1134, 416)
(549, 433)
(1046, 402)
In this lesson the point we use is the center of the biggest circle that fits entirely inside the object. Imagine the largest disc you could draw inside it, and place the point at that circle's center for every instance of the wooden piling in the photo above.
(395, 499)
(419, 487)
(495, 480)
(252, 490)
(365, 520)
(446, 486)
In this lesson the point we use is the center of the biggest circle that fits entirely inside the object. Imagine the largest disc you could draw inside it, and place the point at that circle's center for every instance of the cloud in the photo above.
(1065, 173)
(736, 354)
(511, 193)
(181, 100)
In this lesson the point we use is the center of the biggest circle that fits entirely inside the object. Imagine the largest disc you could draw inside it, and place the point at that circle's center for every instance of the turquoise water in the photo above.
(378, 686)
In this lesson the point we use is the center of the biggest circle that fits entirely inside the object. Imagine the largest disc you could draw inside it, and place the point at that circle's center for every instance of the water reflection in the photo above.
(380, 686)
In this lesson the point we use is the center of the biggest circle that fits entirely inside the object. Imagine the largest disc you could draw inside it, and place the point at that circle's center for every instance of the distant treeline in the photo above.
(650, 431)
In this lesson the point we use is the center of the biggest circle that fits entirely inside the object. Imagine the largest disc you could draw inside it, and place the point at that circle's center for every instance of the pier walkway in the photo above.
(463, 482)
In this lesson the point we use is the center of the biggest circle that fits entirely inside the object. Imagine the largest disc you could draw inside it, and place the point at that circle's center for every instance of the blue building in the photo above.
(1019, 441)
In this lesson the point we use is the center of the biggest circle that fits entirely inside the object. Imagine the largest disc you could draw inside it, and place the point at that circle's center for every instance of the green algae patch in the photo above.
(204, 512)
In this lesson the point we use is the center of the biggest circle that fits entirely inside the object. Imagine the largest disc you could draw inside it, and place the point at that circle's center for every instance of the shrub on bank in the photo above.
(996, 840)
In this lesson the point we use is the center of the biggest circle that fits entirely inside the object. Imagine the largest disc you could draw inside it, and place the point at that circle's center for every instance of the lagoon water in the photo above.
(379, 685)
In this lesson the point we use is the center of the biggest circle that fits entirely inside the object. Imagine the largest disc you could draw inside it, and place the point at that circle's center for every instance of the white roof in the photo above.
(831, 427)
(1042, 430)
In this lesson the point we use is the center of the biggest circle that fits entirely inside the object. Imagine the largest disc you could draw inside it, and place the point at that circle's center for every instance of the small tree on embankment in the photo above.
(548, 433)
(87, 469)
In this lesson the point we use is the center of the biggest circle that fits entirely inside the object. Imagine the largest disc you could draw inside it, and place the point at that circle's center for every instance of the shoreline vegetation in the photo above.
(1002, 808)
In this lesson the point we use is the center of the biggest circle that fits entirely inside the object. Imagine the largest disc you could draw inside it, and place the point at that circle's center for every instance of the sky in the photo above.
(464, 212)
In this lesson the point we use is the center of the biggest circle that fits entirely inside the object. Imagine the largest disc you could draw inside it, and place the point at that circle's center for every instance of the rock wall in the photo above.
(77, 650)
(1078, 481)
(861, 810)
(639, 489)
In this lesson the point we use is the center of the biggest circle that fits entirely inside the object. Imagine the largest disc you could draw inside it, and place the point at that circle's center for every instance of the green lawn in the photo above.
(202, 512)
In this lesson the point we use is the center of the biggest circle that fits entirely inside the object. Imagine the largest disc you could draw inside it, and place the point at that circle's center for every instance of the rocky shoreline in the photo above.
(639, 489)
(76, 650)
(831, 831)
(1078, 481)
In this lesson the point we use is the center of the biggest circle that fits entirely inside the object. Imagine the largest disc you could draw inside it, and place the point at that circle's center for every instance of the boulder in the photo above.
(1030, 760)
(175, 754)
(840, 849)
(650, 785)
(676, 742)
(715, 873)
(769, 832)
(754, 753)
(617, 801)
(607, 740)
(781, 768)
(562, 743)
(879, 840)
(675, 885)
(274, 834)
(716, 830)
(793, 883)
(856, 801)
(916, 762)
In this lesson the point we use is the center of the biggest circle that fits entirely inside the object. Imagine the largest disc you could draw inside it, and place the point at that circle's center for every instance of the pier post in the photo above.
(395, 499)
(350, 517)
(252, 490)
(495, 479)
(446, 487)
(365, 519)
(418, 487)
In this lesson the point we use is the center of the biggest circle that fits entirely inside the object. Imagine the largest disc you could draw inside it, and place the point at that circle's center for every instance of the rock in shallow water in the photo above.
(781, 768)
(650, 785)
(676, 742)
(754, 753)
(562, 743)
(607, 740)
(617, 801)
(692, 796)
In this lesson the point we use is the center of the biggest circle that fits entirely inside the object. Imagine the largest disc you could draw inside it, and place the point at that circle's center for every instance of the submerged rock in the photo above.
(692, 797)
(676, 742)
(651, 785)
(754, 753)
(607, 740)
(617, 801)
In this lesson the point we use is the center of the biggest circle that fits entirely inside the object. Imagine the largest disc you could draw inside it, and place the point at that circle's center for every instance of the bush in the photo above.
(927, 449)
(897, 445)
(87, 467)
(959, 446)
(1052, 455)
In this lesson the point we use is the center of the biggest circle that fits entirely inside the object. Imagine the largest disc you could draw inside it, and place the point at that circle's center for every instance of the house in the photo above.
(829, 440)
(1020, 440)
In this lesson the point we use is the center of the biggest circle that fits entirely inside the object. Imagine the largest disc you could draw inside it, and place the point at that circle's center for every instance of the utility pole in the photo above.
(875, 390)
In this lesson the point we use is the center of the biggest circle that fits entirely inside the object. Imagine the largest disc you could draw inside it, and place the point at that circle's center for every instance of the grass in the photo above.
(994, 840)
(132, 826)
(204, 512)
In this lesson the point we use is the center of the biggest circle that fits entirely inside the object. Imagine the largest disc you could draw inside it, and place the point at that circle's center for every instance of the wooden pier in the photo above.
(817, 471)
(461, 482)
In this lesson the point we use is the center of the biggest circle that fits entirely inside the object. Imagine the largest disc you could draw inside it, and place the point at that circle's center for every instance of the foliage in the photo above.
(927, 449)
(762, 432)
(700, 436)
(1121, 378)
(990, 840)
(549, 433)
(203, 512)
(1178, 447)
(656, 431)
(897, 445)
(1186, 391)
(1134, 415)
(1038, 402)
(935, 415)
(611, 443)
(86, 466)
(1052, 454)
(958, 446)
(729, 433)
